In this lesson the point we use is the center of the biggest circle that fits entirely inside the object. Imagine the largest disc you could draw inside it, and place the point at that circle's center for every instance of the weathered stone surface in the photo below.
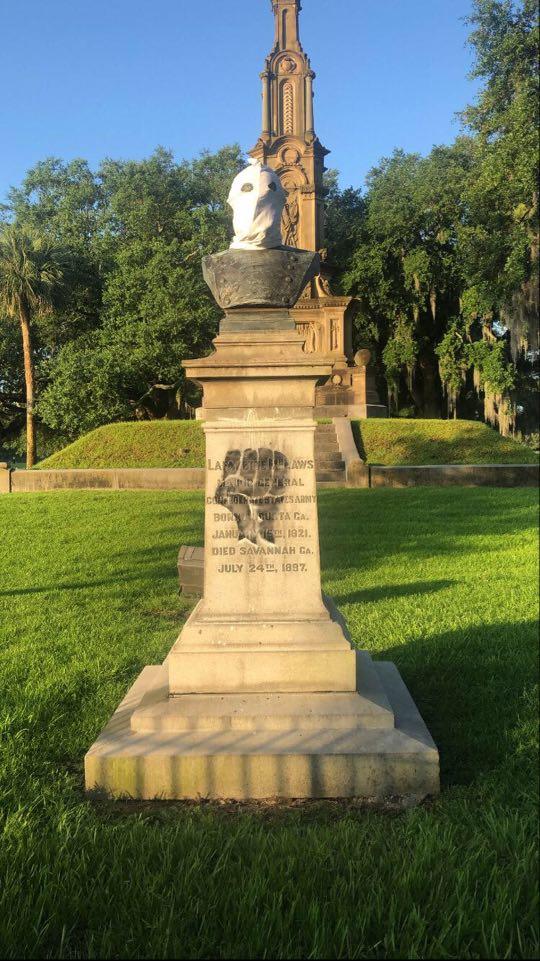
(191, 570)
(5, 479)
(251, 762)
(457, 475)
(258, 376)
(264, 278)
(193, 478)
(267, 711)
(356, 471)
(127, 478)
(263, 623)
(243, 319)
(288, 145)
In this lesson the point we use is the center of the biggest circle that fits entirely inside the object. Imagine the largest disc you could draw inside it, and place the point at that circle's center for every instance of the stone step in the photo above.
(326, 438)
(367, 707)
(332, 466)
(335, 476)
(325, 429)
(326, 445)
(334, 461)
(329, 464)
(263, 712)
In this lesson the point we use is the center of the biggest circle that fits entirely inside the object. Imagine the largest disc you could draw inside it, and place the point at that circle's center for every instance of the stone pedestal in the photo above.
(262, 624)
(263, 694)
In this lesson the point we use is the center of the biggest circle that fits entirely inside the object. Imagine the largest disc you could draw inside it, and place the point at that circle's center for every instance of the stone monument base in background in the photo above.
(326, 324)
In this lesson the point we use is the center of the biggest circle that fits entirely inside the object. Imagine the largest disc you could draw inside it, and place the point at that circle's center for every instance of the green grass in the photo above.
(398, 441)
(441, 581)
(380, 441)
(161, 443)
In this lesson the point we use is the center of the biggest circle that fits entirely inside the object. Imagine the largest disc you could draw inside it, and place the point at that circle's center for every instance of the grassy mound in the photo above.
(397, 441)
(440, 581)
(161, 443)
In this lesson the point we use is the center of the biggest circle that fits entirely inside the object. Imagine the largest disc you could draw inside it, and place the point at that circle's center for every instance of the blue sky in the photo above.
(118, 77)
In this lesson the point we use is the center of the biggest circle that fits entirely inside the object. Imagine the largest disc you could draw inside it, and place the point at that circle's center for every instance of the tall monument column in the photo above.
(290, 146)
(309, 105)
(288, 143)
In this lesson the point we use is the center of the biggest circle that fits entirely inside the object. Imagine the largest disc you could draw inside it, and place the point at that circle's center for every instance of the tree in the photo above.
(31, 272)
(441, 253)
(64, 202)
(12, 407)
(405, 269)
(158, 219)
(500, 238)
(444, 249)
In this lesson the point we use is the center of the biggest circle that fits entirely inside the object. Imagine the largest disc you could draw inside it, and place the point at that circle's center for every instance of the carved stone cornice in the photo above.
(322, 303)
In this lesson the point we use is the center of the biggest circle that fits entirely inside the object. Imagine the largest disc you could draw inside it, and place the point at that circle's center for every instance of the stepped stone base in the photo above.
(368, 744)
(240, 654)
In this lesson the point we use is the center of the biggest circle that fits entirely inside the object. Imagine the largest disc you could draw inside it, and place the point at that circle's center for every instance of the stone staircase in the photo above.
(329, 464)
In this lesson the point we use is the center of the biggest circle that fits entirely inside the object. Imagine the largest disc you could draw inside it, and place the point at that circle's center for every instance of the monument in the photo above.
(263, 694)
(289, 145)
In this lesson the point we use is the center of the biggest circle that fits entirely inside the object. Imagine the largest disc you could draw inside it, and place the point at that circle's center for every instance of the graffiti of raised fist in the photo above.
(252, 487)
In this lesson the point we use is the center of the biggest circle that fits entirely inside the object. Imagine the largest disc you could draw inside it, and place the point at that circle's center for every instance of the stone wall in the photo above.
(456, 475)
(192, 478)
(173, 478)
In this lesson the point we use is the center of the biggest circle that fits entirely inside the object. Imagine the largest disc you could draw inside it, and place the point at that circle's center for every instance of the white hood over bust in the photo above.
(257, 199)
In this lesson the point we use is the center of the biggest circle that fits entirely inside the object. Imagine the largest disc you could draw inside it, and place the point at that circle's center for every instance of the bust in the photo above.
(258, 271)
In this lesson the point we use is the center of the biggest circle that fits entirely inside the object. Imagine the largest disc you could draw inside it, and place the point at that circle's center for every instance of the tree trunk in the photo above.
(29, 381)
(428, 399)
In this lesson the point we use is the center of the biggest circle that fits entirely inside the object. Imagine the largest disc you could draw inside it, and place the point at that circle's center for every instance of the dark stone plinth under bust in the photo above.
(259, 278)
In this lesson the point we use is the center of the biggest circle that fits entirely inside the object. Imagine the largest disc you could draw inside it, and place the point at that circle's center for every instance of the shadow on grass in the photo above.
(476, 690)
(115, 580)
(373, 594)
(412, 442)
(360, 528)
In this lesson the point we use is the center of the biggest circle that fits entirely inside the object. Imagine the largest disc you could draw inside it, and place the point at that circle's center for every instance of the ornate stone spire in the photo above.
(288, 142)
(286, 14)
(289, 145)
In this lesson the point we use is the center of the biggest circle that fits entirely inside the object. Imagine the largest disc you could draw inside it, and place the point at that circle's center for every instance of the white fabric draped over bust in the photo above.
(257, 199)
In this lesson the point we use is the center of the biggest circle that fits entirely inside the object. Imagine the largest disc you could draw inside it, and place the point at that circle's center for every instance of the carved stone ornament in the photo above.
(310, 331)
(287, 65)
(362, 357)
(290, 156)
(291, 218)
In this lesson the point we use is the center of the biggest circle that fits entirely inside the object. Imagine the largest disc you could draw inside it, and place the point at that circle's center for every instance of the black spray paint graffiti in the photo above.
(252, 487)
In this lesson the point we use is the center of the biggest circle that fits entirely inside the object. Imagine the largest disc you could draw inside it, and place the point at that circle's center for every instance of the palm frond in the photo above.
(32, 268)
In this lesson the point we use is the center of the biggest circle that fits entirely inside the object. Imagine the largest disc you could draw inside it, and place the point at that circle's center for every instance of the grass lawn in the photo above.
(159, 443)
(394, 441)
(442, 581)
(380, 441)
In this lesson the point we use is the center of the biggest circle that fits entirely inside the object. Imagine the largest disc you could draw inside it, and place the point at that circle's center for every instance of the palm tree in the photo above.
(31, 271)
